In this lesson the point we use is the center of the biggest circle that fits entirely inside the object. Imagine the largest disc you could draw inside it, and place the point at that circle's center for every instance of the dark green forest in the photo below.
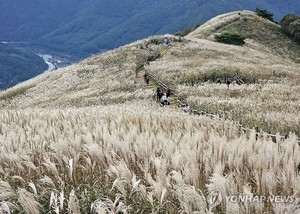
(17, 66)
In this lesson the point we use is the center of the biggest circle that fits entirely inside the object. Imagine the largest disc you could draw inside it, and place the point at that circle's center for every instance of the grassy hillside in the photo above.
(89, 138)
(268, 64)
(100, 80)
(17, 66)
(253, 28)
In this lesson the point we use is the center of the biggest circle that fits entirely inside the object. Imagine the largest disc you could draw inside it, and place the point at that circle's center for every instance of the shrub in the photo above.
(265, 14)
(196, 26)
(290, 25)
(187, 30)
(230, 38)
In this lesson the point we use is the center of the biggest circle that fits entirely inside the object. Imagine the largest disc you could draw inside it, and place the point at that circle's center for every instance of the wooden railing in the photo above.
(217, 117)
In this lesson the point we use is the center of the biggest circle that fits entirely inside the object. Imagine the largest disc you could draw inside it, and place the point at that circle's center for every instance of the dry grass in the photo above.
(142, 160)
(270, 98)
(246, 23)
(101, 80)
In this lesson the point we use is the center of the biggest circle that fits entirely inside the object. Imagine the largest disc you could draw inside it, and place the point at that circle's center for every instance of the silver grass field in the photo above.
(142, 159)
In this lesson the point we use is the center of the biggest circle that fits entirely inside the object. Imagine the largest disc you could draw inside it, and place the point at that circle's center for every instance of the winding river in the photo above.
(47, 58)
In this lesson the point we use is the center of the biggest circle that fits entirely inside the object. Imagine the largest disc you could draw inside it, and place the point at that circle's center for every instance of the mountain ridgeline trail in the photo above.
(149, 80)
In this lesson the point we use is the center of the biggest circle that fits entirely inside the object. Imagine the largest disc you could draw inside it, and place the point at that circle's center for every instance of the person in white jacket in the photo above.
(164, 99)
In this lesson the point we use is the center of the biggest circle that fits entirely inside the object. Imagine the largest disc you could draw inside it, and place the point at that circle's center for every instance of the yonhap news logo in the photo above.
(215, 198)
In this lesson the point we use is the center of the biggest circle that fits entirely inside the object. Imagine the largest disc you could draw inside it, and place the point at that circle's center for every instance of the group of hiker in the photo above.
(145, 46)
(236, 80)
(228, 82)
(168, 42)
(163, 96)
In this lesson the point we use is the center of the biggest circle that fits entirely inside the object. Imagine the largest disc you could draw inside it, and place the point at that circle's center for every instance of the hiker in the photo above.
(164, 100)
(146, 77)
(186, 108)
(158, 94)
(168, 93)
(165, 42)
(147, 61)
(228, 83)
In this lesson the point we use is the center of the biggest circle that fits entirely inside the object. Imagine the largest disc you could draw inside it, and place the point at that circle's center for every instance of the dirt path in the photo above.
(141, 71)
(140, 76)
(152, 85)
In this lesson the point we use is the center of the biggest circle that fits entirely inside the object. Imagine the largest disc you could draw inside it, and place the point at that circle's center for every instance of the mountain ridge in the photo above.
(261, 35)
(93, 26)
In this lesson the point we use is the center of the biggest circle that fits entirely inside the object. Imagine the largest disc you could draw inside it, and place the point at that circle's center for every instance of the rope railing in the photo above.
(213, 116)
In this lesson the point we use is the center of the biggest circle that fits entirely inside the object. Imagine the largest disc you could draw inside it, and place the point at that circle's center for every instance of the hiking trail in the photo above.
(140, 77)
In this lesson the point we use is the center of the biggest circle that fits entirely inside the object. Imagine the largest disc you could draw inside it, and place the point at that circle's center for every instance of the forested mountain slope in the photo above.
(81, 28)
(17, 65)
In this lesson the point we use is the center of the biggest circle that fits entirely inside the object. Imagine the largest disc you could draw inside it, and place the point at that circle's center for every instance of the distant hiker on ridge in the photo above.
(165, 42)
